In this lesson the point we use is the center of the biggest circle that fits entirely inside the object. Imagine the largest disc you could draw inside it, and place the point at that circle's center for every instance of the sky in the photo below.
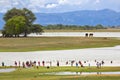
(56, 6)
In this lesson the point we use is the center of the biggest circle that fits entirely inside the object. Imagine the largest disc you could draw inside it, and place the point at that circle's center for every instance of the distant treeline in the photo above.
(73, 27)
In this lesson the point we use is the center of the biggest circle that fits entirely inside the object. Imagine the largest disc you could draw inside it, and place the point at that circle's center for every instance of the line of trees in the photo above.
(20, 21)
(73, 27)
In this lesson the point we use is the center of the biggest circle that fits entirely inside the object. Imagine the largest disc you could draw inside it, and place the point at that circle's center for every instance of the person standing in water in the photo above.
(38, 63)
(58, 63)
(3, 64)
(43, 63)
(19, 64)
(15, 63)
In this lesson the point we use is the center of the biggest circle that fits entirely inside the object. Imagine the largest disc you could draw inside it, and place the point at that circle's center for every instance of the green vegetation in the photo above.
(70, 69)
(54, 43)
(48, 77)
(38, 74)
(95, 30)
(72, 27)
(16, 26)
(20, 21)
(76, 28)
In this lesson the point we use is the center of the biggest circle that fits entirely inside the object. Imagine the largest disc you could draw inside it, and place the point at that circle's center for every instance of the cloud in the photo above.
(51, 5)
(63, 1)
(36, 3)
(69, 2)
(97, 1)
(59, 5)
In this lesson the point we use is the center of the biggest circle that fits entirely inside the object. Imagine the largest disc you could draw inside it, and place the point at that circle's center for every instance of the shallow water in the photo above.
(89, 55)
(79, 73)
(7, 70)
(75, 34)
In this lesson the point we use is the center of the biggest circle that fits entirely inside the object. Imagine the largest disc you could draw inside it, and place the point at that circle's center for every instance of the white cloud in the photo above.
(97, 1)
(38, 3)
(70, 2)
(63, 1)
(51, 5)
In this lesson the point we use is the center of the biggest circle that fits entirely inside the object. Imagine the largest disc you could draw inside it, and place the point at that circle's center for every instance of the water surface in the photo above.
(106, 54)
(78, 34)
(80, 73)
(7, 70)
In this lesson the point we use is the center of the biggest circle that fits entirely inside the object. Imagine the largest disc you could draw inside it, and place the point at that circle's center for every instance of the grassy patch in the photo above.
(34, 74)
(93, 77)
(54, 43)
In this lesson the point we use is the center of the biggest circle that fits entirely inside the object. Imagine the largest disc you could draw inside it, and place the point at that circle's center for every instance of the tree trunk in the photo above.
(25, 35)
(15, 35)
(18, 35)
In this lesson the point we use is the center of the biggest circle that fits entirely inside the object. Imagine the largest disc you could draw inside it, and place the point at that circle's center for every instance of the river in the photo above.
(86, 56)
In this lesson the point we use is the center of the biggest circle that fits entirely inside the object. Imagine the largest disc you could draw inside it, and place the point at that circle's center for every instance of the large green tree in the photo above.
(11, 13)
(30, 18)
(15, 26)
(27, 14)
(37, 28)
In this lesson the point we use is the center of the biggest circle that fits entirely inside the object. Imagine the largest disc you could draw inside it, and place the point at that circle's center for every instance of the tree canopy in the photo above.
(15, 26)
(36, 28)
(73, 27)
(20, 21)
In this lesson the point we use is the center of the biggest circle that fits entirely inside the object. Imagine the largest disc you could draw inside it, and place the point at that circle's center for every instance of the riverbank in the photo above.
(38, 73)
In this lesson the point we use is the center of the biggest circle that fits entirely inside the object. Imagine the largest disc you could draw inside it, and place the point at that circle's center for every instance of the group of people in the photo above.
(77, 63)
(49, 63)
(99, 64)
(28, 64)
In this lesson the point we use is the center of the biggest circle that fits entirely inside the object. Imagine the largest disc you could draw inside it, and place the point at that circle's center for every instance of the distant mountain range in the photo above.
(85, 17)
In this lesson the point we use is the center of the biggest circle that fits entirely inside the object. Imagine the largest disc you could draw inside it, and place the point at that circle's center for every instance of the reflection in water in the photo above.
(78, 73)
(7, 70)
